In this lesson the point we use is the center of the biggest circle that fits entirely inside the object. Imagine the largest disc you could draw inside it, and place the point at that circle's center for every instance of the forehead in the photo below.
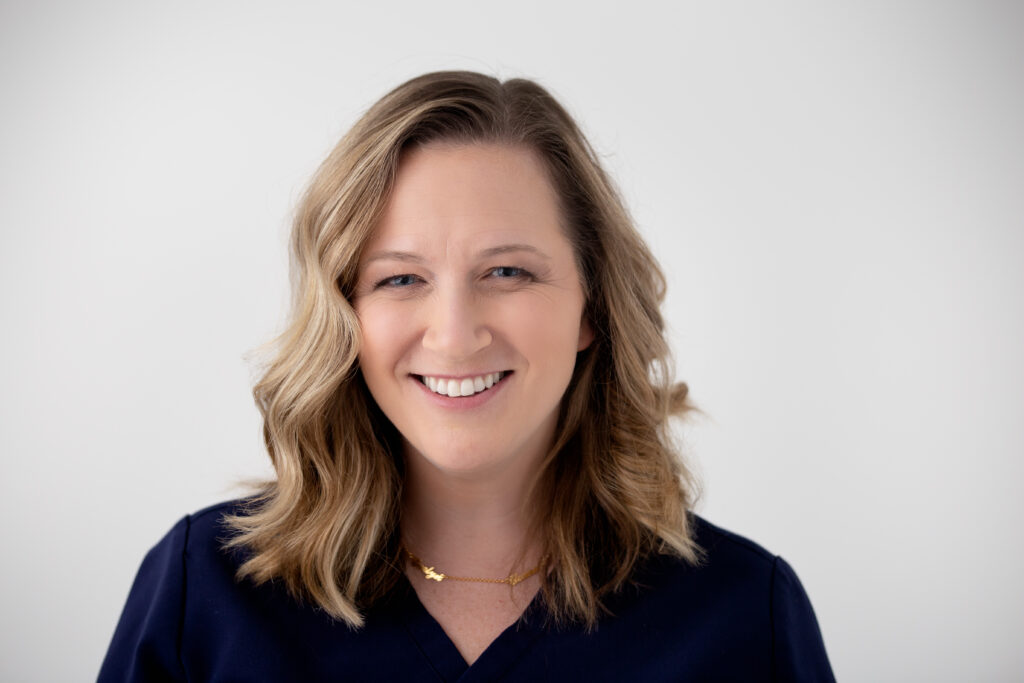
(471, 195)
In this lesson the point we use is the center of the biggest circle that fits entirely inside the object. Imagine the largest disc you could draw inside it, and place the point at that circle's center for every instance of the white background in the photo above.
(836, 191)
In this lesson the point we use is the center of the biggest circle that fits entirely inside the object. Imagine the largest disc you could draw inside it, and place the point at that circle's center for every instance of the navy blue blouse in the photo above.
(741, 615)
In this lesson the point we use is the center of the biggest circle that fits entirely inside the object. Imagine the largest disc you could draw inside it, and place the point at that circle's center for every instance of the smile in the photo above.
(467, 386)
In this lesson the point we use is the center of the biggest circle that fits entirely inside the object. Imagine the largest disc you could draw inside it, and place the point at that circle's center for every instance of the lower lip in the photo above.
(463, 402)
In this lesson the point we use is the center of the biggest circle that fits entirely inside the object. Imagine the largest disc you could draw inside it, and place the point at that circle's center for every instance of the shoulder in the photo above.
(187, 609)
(208, 522)
(736, 572)
(728, 566)
(205, 530)
(723, 549)
(739, 613)
(735, 559)
(147, 643)
(755, 599)
(196, 538)
(732, 576)
(209, 565)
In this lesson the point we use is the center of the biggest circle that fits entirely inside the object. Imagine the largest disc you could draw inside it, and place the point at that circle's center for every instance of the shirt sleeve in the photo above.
(798, 652)
(146, 644)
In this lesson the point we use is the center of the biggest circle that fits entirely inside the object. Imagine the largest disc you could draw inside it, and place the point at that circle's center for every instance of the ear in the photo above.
(586, 334)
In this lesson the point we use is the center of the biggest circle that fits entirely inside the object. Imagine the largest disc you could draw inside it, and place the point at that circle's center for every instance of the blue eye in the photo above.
(397, 281)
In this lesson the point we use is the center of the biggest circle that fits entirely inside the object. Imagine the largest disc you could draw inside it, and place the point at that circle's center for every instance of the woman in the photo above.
(468, 418)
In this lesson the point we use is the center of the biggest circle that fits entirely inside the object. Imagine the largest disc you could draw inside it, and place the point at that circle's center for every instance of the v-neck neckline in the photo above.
(500, 656)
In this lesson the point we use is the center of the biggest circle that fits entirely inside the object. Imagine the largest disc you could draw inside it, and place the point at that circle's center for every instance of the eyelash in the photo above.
(520, 274)
(390, 282)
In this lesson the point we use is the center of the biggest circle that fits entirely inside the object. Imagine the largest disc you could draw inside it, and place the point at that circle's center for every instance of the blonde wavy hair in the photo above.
(611, 490)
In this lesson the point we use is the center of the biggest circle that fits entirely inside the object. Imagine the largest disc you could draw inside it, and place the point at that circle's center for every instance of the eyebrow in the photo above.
(392, 255)
(509, 248)
(411, 257)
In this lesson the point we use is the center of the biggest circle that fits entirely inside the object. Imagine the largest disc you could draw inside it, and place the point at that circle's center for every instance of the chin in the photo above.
(461, 460)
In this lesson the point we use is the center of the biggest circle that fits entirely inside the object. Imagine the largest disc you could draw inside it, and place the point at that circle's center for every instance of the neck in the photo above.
(471, 524)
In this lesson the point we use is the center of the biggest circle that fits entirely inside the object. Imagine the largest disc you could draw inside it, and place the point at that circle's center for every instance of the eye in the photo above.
(510, 273)
(397, 281)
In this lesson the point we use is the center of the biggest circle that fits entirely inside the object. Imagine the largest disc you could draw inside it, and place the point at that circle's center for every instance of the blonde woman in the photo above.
(468, 419)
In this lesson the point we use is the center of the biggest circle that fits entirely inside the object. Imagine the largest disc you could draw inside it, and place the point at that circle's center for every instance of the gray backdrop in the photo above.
(834, 189)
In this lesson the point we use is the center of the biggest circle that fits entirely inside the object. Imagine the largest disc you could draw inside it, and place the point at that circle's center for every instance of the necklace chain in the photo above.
(430, 574)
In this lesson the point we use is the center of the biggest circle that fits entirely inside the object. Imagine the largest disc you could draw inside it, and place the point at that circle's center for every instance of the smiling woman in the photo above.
(475, 375)
(492, 292)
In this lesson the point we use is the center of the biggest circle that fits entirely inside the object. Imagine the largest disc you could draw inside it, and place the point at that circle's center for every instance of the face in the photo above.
(471, 308)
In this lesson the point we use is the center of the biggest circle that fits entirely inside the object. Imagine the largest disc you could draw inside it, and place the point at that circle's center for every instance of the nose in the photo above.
(456, 325)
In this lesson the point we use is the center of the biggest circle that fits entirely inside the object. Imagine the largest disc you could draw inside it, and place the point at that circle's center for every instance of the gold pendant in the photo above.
(431, 574)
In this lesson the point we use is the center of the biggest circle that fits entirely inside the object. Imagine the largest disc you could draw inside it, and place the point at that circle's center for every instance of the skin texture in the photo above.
(468, 273)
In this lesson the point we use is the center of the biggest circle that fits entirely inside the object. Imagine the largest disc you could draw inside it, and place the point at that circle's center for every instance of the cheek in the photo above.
(381, 329)
(550, 328)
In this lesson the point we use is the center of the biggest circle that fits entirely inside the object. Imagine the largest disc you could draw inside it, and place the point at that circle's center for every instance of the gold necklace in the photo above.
(429, 573)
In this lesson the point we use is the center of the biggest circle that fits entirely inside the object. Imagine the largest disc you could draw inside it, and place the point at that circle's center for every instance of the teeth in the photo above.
(461, 387)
